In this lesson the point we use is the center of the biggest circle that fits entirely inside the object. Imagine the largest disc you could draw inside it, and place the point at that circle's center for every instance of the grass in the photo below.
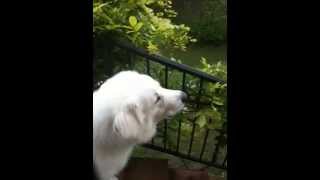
(193, 54)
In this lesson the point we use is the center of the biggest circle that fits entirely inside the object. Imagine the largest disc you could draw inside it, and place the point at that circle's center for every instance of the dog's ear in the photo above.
(128, 120)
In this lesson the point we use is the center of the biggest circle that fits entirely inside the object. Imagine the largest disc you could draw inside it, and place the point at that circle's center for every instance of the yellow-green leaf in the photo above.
(138, 26)
(202, 121)
(193, 40)
(132, 21)
(218, 103)
(152, 47)
(150, 2)
(143, 1)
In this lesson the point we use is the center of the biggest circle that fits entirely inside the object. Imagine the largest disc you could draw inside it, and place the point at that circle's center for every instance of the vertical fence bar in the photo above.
(148, 66)
(178, 136)
(224, 161)
(192, 137)
(166, 77)
(184, 81)
(199, 93)
(130, 60)
(204, 144)
(165, 134)
(180, 120)
(217, 147)
(194, 124)
(148, 72)
(165, 121)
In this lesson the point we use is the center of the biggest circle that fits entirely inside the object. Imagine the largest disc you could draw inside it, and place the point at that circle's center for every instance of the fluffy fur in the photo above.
(126, 110)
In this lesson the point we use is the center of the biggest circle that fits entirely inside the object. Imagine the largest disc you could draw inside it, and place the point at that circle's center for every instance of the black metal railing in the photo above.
(200, 145)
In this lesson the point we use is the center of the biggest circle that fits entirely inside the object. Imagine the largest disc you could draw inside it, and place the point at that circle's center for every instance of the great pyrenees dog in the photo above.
(126, 110)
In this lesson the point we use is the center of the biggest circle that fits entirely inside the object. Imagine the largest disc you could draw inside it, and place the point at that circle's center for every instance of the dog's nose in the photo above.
(184, 97)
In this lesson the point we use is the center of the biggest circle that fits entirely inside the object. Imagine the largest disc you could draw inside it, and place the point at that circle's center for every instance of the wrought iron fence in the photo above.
(206, 146)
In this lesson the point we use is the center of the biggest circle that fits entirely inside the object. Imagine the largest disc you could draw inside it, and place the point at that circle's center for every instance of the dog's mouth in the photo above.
(171, 114)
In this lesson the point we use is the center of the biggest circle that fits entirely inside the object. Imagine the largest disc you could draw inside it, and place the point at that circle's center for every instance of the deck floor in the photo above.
(157, 169)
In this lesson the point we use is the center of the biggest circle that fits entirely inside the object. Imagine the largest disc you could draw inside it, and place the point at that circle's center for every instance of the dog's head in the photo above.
(144, 103)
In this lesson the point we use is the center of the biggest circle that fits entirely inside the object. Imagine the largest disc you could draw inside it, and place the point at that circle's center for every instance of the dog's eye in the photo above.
(158, 98)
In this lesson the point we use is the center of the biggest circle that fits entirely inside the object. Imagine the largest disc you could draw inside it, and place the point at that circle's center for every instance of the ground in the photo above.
(174, 162)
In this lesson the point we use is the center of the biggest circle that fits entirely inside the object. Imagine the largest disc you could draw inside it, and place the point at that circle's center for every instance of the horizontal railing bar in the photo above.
(168, 62)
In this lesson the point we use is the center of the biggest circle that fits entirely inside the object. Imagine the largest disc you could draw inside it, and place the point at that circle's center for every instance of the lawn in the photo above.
(193, 54)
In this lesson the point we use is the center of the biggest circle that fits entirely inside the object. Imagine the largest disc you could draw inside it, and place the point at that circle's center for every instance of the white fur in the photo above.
(125, 113)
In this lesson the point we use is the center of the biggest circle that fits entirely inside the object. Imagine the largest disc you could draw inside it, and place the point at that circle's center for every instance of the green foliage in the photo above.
(145, 23)
(212, 24)
(219, 69)
(214, 116)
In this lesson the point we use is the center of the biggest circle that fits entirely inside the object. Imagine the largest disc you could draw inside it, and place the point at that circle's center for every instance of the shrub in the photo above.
(146, 23)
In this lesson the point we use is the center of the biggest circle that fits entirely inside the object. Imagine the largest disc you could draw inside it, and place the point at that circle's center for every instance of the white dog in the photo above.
(126, 110)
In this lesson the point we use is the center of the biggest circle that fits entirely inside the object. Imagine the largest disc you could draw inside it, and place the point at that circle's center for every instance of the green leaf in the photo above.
(193, 40)
(202, 121)
(112, 26)
(128, 32)
(203, 61)
(215, 125)
(132, 21)
(218, 103)
(152, 47)
(138, 26)
(126, 27)
(152, 27)
(150, 2)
